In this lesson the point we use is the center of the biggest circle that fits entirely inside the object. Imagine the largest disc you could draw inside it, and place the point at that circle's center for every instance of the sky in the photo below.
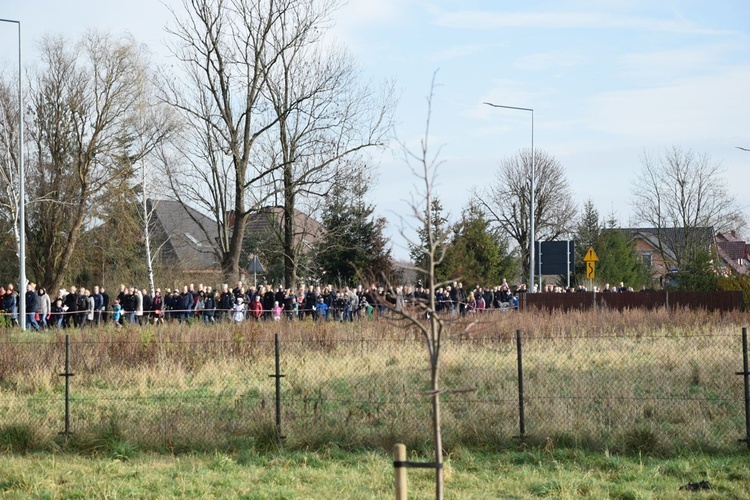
(609, 81)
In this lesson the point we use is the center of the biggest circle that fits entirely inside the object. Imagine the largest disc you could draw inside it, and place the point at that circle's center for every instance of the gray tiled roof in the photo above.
(187, 237)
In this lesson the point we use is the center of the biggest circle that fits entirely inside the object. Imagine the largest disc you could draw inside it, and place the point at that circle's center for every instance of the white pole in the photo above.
(22, 191)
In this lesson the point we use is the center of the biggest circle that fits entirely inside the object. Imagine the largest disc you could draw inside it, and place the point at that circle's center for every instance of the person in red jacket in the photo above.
(256, 308)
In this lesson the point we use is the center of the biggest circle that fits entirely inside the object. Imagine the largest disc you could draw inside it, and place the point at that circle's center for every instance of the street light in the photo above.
(22, 192)
(531, 197)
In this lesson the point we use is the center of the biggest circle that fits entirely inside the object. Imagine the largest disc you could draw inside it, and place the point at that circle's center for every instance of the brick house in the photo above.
(733, 253)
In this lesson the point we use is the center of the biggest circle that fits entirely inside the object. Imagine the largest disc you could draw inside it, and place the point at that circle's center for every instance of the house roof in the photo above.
(737, 265)
(186, 236)
(189, 238)
(733, 251)
(306, 228)
(734, 247)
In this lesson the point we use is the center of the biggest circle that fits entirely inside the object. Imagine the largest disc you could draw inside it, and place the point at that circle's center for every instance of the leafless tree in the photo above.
(9, 157)
(507, 201)
(326, 118)
(228, 49)
(81, 104)
(684, 196)
(423, 315)
(153, 124)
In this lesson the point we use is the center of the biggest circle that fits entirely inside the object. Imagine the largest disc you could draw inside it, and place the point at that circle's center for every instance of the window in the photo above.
(646, 259)
(193, 240)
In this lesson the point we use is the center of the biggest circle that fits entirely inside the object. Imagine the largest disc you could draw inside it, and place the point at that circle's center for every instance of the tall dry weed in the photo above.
(629, 380)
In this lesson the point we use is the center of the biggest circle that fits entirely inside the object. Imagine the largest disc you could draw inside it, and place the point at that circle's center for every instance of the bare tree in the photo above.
(424, 315)
(81, 104)
(153, 127)
(9, 157)
(684, 197)
(507, 200)
(228, 49)
(326, 118)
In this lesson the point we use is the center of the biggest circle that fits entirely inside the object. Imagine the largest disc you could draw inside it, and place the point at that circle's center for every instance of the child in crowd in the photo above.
(117, 312)
(56, 313)
(276, 311)
(321, 309)
(238, 311)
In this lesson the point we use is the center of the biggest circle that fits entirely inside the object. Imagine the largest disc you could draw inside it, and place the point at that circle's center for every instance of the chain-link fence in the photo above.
(630, 393)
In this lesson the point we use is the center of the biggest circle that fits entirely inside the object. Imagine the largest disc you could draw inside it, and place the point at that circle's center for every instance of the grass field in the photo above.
(333, 473)
(651, 384)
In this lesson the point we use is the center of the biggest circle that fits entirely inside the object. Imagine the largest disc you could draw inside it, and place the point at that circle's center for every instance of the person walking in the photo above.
(32, 304)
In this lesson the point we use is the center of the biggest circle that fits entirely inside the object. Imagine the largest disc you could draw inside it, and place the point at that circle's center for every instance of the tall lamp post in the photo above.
(22, 192)
(531, 197)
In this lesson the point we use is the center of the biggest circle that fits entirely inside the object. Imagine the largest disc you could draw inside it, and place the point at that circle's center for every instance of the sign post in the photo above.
(556, 257)
(256, 268)
(590, 259)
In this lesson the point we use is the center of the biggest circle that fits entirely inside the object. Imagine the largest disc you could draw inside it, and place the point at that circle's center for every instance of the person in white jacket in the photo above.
(44, 306)
(138, 306)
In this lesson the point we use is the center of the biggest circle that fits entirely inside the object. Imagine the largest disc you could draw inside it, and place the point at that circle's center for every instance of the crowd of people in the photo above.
(80, 307)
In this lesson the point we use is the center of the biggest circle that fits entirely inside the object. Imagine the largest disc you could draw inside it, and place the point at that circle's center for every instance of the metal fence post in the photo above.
(521, 419)
(277, 375)
(746, 375)
(67, 376)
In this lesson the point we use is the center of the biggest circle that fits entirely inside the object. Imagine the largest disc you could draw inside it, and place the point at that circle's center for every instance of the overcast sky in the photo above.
(608, 80)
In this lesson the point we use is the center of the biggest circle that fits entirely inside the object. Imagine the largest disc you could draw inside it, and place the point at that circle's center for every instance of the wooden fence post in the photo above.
(399, 457)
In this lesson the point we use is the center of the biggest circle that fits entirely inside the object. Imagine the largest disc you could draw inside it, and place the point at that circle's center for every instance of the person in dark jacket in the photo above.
(186, 304)
(209, 306)
(10, 304)
(70, 306)
(98, 305)
(226, 302)
(32, 305)
(268, 300)
(105, 305)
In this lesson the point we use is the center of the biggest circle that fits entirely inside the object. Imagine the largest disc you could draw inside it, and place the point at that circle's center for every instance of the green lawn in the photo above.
(337, 474)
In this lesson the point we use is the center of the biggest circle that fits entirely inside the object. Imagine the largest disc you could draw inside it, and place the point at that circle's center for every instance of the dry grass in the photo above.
(643, 382)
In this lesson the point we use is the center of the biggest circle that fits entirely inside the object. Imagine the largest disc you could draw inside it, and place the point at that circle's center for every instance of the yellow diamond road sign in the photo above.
(590, 256)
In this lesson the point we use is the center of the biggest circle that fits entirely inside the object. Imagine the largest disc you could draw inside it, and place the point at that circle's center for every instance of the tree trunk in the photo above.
(230, 265)
(289, 254)
(147, 235)
(75, 231)
(437, 434)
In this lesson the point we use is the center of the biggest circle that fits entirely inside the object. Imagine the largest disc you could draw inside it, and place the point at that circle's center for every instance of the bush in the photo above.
(736, 283)
(16, 438)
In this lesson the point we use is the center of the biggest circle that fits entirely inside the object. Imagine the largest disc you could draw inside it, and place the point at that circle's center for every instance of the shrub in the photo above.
(736, 283)
(17, 438)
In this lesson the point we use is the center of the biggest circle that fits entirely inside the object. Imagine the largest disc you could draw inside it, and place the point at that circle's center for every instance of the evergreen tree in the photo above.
(589, 228)
(587, 235)
(698, 274)
(618, 259)
(353, 242)
(440, 231)
(476, 254)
